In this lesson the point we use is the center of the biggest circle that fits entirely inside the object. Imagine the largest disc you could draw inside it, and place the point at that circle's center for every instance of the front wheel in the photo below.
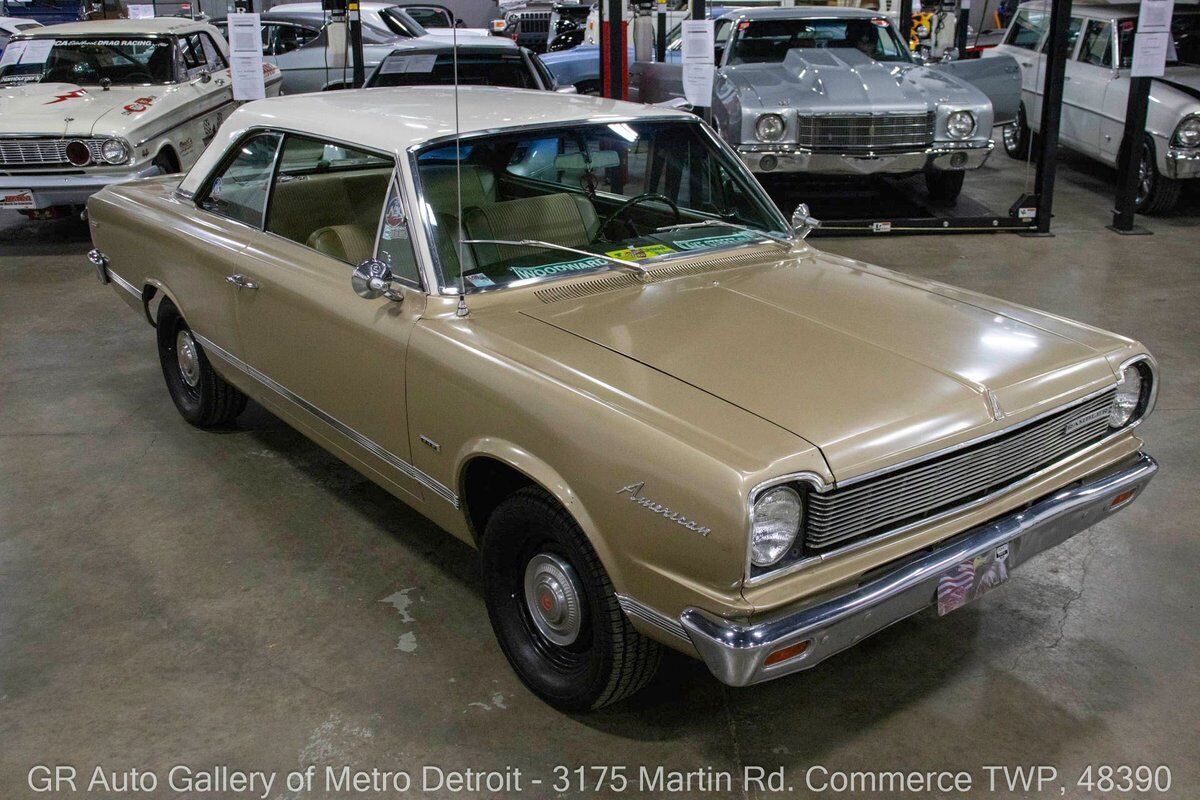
(944, 185)
(1017, 136)
(202, 397)
(554, 610)
(1156, 193)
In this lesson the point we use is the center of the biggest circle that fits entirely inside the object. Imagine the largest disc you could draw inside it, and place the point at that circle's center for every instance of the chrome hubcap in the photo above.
(553, 598)
(1010, 136)
(188, 357)
(1145, 176)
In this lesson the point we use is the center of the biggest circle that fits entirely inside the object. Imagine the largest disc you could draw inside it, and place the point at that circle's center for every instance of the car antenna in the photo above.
(462, 310)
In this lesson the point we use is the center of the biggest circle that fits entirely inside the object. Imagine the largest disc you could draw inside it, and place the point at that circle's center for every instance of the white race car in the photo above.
(87, 104)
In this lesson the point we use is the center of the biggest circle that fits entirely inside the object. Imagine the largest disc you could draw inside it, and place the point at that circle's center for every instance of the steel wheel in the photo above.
(1145, 175)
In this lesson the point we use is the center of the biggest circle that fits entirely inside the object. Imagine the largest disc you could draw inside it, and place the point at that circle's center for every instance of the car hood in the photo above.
(845, 79)
(1185, 78)
(869, 368)
(64, 109)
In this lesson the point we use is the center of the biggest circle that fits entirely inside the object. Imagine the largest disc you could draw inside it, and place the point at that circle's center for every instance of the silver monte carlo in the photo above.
(834, 91)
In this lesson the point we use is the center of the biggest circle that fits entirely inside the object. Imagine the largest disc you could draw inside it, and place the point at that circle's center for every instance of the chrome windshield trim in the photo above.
(412, 471)
(449, 288)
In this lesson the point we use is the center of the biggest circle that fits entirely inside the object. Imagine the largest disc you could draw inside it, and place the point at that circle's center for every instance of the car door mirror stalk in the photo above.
(373, 279)
(803, 223)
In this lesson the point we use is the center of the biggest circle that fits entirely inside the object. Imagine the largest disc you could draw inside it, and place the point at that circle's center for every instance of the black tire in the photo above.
(166, 162)
(607, 660)
(203, 397)
(1157, 194)
(944, 185)
(1017, 137)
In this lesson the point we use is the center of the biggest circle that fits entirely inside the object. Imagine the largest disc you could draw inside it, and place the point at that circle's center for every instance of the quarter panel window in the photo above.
(239, 191)
(395, 239)
(1027, 29)
(329, 197)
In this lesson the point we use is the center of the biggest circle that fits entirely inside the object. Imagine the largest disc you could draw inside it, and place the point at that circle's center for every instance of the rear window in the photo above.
(437, 69)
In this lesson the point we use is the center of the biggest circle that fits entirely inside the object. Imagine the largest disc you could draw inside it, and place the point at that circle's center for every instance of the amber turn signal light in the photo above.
(1121, 499)
(785, 653)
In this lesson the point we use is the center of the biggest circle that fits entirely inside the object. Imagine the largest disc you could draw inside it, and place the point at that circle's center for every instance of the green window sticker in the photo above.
(578, 265)
(706, 242)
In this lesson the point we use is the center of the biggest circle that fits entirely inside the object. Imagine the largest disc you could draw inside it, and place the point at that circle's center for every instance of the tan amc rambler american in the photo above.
(576, 334)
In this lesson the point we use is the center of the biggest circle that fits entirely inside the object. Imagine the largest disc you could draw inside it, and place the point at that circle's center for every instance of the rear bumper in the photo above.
(736, 652)
(766, 159)
(71, 190)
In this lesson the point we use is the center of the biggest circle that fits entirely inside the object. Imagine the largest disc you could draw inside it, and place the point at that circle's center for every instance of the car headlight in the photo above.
(960, 124)
(1134, 394)
(769, 128)
(1187, 134)
(114, 151)
(776, 521)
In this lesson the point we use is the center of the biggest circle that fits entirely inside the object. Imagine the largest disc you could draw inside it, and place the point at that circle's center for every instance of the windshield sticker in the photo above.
(416, 63)
(706, 242)
(479, 279)
(393, 221)
(640, 253)
(37, 51)
(578, 265)
(71, 95)
(139, 105)
(12, 53)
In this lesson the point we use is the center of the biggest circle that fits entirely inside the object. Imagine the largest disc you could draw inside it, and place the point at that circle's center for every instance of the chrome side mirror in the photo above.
(373, 279)
(802, 222)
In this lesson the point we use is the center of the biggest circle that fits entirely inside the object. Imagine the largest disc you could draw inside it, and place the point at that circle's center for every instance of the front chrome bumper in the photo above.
(1183, 163)
(736, 652)
(54, 189)
(769, 159)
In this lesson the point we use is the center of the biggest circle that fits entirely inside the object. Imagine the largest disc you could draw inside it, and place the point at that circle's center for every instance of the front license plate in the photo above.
(972, 579)
(16, 198)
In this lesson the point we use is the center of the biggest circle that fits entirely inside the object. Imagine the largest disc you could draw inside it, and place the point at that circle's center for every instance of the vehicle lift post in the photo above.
(614, 71)
(660, 33)
(354, 28)
(962, 23)
(905, 27)
(1129, 159)
(1056, 69)
(700, 11)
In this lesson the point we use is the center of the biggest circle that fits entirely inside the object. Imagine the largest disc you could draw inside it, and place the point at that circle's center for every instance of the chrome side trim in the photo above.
(650, 616)
(435, 486)
(124, 284)
(736, 652)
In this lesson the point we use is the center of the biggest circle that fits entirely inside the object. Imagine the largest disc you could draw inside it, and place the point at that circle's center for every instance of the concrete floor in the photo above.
(169, 596)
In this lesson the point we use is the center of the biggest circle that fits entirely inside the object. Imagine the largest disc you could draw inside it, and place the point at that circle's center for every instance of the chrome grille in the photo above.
(864, 132)
(922, 490)
(534, 21)
(30, 152)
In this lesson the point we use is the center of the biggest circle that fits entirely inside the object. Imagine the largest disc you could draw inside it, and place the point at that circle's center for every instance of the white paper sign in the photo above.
(37, 51)
(12, 53)
(1150, 54)
(698, 66)
(245, 56)
(141, 11)
(424, 63)
(1154, 16)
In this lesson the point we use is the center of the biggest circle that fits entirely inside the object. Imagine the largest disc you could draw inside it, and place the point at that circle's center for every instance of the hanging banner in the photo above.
(698, 67)
(246, 57)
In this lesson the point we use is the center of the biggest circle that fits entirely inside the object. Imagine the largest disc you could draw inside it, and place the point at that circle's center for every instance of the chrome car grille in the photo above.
(30, 152)
(910, 494)
(865, 132)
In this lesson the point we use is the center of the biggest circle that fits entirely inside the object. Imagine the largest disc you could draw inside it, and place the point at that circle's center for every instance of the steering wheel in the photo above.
(633, 201)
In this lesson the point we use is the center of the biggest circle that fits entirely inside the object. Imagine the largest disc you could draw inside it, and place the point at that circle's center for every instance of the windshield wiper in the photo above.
(775, 237)
(632, 265)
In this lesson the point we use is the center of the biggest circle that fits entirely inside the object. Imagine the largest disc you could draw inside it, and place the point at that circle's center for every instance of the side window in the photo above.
(194, 57)
(1072, 36)
(1027, 28)
(240, 189)
(212, 53)
(395, 241)
(329, 197)
(721, 38)
(292, 37)
(1097, 44)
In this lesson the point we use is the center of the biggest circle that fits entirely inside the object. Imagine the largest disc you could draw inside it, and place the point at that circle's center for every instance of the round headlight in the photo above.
(1133, 395)
(777, 515)
(769, 128)
(1188, 132)
(78, 153)
(114, 151)
(960, 124)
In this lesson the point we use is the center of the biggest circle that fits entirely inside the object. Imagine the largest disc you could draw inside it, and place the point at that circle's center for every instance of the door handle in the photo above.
(242, 282)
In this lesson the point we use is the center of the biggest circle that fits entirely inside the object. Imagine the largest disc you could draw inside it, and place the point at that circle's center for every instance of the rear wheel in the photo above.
(166, 162)
(554, 610)
(203, 397)
(944, 185)
(1156, 193)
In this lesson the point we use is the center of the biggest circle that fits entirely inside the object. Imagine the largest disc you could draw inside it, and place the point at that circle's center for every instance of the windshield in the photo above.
(476, 69)
(629, 190)
(1185, 40)
(125, 61)
(400, 23)
(767, 41)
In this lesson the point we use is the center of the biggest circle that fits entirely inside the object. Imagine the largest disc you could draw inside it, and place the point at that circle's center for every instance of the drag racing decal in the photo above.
(71, 95)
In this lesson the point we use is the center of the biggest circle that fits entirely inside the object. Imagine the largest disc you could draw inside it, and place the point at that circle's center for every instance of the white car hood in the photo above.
(64, 109)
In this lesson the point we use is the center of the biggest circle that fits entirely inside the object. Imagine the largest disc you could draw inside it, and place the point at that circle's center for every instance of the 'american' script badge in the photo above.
(634, 490)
